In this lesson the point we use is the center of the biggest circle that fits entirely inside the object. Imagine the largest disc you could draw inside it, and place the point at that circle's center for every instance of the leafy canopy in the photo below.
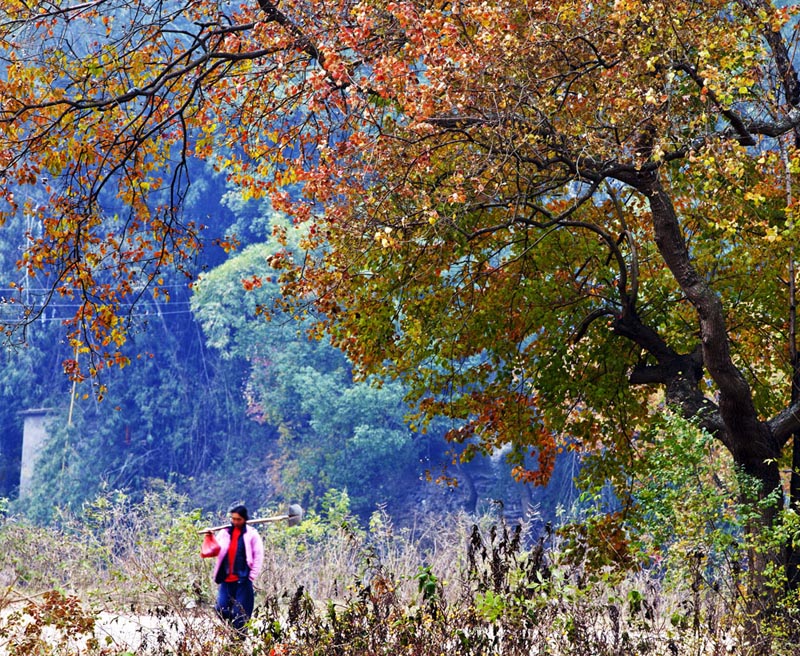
(514, 206)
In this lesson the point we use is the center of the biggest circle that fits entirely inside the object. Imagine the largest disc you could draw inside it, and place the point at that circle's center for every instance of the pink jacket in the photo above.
(254, 549)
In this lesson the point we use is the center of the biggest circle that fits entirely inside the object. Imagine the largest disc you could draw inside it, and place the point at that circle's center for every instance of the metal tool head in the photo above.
(295, 514)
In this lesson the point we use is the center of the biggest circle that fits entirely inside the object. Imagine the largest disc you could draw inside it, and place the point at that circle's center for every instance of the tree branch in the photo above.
(783, 60)
(301, 38)
(785, 424)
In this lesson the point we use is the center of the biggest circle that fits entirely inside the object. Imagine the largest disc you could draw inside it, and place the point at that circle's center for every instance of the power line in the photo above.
(139, 316)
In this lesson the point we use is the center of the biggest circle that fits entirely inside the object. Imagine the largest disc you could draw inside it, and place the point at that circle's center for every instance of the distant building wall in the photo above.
(34, 434)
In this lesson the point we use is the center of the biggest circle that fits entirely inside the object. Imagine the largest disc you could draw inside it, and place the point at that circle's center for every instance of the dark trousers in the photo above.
(235, 602)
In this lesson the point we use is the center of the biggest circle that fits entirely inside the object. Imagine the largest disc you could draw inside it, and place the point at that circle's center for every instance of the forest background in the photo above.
(225, 405)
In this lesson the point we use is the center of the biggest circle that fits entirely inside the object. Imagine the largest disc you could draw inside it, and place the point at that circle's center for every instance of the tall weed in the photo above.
(445, 584)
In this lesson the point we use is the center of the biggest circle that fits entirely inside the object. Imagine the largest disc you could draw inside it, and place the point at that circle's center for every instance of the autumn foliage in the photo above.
(537, 214)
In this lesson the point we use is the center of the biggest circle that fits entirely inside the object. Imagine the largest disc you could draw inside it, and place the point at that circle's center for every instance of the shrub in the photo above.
(446, 584)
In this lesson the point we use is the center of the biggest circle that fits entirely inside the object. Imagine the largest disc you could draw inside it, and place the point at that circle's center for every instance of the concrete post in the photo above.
(34, 434)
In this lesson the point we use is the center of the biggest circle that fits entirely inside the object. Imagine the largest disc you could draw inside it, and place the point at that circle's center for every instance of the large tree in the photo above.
(535, 212)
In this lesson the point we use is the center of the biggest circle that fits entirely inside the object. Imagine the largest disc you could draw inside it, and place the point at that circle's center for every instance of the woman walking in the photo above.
(239, 562)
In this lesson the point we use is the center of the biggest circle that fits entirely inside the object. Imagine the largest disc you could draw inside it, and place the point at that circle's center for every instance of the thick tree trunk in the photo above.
(751, 441)
(792, 552)
(793, 556)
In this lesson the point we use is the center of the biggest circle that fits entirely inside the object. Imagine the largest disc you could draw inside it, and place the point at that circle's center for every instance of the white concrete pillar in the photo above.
(34, 434)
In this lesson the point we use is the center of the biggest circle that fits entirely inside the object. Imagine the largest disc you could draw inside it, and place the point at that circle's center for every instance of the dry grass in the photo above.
(128, 579)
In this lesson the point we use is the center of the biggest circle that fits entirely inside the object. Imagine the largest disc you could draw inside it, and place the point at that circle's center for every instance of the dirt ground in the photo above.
(113, 634)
